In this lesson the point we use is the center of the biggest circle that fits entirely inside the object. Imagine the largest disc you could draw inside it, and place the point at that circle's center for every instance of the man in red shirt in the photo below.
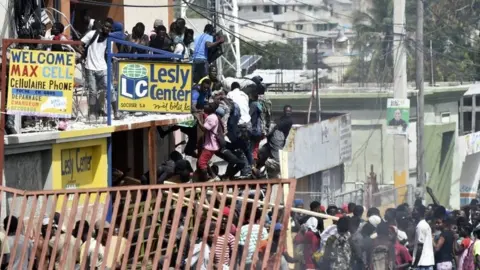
(403, 259)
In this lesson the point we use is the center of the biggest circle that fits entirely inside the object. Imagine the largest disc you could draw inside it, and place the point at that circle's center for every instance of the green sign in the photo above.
(398, 116)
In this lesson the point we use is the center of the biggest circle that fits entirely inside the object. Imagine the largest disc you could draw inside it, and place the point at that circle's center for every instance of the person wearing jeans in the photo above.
(200, 54)
(95, 46)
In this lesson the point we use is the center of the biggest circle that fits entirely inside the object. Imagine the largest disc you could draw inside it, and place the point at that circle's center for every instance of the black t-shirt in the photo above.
(445, 254)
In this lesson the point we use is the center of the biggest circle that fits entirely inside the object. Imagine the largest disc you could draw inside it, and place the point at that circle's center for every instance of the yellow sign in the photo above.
(81, 164)
(41, 83)
(155, 87)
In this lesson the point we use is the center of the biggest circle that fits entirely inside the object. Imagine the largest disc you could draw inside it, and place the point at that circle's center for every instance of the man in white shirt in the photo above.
(241, 99)
(423, 256)
(95, 44)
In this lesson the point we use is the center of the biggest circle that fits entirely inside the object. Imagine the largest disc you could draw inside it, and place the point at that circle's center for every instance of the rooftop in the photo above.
(83, 129)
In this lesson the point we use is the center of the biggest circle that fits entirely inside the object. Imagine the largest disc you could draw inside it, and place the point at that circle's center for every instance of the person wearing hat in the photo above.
(156, 24)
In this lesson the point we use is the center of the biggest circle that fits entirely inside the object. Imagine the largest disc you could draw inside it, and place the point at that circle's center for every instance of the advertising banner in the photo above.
(41, 83)
(80, 164)
(155, 87)
(398, 116)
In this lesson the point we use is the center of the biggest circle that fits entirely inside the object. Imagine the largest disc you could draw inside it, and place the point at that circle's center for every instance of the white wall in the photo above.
(469, 158)
(312, 148)
(6, 8)
(145, 15)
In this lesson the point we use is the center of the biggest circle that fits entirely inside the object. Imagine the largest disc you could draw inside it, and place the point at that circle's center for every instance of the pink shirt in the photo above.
(211, 126)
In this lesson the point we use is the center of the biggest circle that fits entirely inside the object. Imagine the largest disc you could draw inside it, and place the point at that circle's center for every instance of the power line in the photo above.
(96, 3)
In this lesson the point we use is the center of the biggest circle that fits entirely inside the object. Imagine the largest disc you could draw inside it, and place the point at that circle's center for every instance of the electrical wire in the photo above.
(96, 3)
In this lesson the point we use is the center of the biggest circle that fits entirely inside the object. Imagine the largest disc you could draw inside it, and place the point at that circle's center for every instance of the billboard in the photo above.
(80, 164)
(398, 116)
(155, 87)
(41, 83)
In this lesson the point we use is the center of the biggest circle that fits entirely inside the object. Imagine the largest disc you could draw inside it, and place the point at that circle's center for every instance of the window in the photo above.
(276, 10)
(278, 26)
(239, 8)
(299, 27)
(320, 27)
(285, 9)
(310, 8)
(254, 8)
(266, 9)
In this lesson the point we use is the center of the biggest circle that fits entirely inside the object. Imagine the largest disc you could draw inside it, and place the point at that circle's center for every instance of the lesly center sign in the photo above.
(155, 87)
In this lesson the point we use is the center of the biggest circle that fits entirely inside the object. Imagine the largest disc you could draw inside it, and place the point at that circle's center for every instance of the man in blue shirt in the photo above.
(200, 52)
(201, 94)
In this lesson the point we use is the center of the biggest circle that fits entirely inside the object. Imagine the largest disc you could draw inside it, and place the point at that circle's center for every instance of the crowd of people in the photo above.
(74, 253)
(230, 120)
(405, 237)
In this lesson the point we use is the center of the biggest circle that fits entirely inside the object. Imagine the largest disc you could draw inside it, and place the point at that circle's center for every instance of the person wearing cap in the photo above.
(156, 24)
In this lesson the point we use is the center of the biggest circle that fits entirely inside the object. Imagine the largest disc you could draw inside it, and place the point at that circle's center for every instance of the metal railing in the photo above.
(394, 197)
(327, 198)
(151, 226)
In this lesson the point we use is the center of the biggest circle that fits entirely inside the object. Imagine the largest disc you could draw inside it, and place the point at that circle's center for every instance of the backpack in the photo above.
(339, 253)
(381, 259)
(265, 114)
(85, 51)
(469, 261)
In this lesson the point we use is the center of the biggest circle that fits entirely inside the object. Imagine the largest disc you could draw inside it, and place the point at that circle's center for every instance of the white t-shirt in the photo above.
(180, 48)
(241, 99)
(96, 52)
(423, 234)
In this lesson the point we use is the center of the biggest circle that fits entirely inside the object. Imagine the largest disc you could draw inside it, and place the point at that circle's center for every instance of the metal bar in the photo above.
(142, 47)
(19, 229)
(161, 235)
(193, 235)
(173, 232)
(48, 232)
(262, 222)
(228, 226)
(156, 211)
(132, 227)
(100, 233)
(143, 221)
(152, 153)
(37, 232)
(160, 187)
(3, 104)
(57, 232)
(211, 261)
(206, 231)
(73, 214)
(109, 83)
(148, 56)
(116, 205)
(272, 227)
(122, 229)
(186, 224)
(83, 258)
(286, 216)
(233, 259)
(251, 222)
(83, 219)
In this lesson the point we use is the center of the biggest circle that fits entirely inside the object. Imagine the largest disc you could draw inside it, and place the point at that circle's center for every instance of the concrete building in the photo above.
(71, 12)
(371, 145)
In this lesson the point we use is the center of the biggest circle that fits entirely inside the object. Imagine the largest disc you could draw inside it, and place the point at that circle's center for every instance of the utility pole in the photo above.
(236, 31)
(420, 99)
(400, 142)
(214, 6)
(432, 79)
(317, 94)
